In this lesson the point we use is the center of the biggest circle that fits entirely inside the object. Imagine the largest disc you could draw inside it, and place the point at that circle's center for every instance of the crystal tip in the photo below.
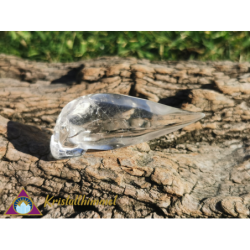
(202, 115)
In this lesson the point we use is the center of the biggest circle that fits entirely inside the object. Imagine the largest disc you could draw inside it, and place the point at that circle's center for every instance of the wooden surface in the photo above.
(202, 170)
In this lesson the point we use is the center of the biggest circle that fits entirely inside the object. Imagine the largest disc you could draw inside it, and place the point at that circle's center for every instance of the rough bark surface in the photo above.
(200, 171)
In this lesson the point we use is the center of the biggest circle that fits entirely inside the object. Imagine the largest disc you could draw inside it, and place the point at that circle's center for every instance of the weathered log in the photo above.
(199, 171)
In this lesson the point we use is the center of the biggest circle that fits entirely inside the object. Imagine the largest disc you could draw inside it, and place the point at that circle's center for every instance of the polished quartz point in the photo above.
(110, 121)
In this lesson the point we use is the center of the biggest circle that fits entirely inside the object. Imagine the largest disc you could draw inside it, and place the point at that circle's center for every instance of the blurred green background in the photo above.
(163, 45)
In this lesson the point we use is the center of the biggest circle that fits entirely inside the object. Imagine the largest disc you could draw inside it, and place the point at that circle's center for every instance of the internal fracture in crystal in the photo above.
(111, 121)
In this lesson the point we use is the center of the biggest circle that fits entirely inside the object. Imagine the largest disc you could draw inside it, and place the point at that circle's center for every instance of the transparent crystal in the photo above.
(110, 121)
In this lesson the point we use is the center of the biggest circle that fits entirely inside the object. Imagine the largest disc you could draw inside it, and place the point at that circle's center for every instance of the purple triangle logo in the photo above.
(23, 205)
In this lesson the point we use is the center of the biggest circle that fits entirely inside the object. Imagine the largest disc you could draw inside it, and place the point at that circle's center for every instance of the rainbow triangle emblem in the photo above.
(23, 205)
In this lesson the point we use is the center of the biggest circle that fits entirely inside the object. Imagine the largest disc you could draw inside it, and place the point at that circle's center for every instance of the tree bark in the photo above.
(199, 171)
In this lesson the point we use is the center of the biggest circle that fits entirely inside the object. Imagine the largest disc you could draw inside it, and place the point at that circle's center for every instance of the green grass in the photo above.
(163, 45)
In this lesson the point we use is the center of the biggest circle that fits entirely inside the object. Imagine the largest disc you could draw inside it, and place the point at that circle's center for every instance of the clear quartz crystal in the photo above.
(110, 121)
